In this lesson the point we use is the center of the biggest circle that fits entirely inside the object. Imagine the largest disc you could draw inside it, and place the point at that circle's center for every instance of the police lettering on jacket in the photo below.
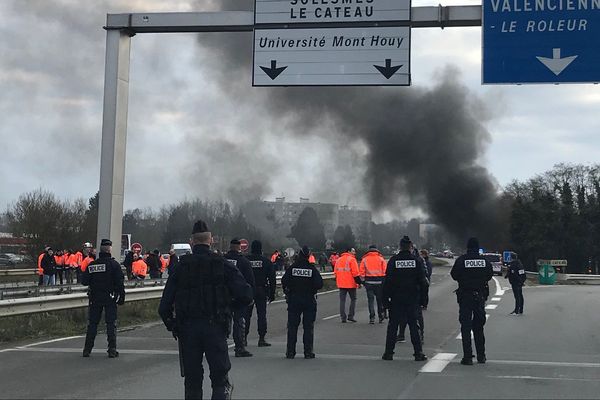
(95, 268)
(256, 264)
(302, 272)
(474, 263)
(406, 264)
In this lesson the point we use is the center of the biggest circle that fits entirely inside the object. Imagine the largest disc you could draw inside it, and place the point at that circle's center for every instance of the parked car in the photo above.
(7, 260)
(496, 260)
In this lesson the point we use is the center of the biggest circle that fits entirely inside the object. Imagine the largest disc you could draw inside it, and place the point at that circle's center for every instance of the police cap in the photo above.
(235, 241)
(200, 227)
(105, 242)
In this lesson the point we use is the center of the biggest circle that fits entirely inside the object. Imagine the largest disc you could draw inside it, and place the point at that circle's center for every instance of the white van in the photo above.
(181, 248)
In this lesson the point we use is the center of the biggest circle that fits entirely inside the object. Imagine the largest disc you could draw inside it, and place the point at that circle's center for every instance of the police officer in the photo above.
(300, 283)
(516, 277)
(264, 289)
(235, 257)
(472, 272)
(203, 289)
(105, 279)
(425, 302)
(404, 289)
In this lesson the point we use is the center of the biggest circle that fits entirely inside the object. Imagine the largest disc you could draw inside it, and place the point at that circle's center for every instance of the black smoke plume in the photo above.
(423, 144)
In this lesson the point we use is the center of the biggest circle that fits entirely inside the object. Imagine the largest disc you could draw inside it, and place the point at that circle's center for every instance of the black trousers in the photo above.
(519, 300)
(420, 323)
(110, 317)
(201, 338)
(374, 293)
(305, 309)
(59, 274)
(260, 302)
(239, 327)
(471, 315)
(403, 314)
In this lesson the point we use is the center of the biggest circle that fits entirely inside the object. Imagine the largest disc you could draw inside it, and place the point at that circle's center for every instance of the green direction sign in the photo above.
(553, 263)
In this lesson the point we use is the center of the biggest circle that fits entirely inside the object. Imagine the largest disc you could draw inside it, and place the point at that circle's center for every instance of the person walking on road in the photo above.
(264, 290)
(372, 271)
(472, 272)
(105, 280)
(237, 259)
(196, 308)
(403, 292)
(516, 277)
(424, 303)
(300, 284)
(347, 279)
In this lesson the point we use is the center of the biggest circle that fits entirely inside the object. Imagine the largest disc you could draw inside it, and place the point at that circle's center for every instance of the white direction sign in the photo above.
(327, 11)
(332, 57)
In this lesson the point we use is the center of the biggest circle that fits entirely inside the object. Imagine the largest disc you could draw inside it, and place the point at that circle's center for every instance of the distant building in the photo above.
(280, 216)
(359, 221)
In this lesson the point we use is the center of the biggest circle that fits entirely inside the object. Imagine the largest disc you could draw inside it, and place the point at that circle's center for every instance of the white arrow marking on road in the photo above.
(556, 64)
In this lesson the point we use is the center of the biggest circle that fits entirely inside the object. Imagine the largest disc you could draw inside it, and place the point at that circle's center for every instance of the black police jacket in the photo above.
(301, 280)
(105, 279)
(202, 287)
(243, 265)
(472, 271)
(516, 273)
(264, 275)
(405, 280)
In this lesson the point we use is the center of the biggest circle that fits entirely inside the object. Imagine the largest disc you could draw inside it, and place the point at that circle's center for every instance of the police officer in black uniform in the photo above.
(203, 289)
(300, 283)
(516, 277)
(235, 257)
(264, 290)
(472, 272)
(105, 279)
(404, 292)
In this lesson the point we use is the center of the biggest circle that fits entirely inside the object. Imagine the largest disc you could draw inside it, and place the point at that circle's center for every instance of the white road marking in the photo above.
(459, 337)
(331, 317)
(50, 341)
(491, 306)
(499, 290)
(438, 362)
(542, 378)
(73, 350)
(496, 298)
(546, 363)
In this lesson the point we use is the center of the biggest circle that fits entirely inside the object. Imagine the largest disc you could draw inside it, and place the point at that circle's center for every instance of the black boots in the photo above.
(262, 342)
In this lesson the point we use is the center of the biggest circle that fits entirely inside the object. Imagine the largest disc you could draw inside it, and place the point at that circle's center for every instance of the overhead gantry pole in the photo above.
(119, 30)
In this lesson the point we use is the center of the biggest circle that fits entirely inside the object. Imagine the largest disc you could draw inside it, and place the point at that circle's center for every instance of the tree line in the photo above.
(554, 215)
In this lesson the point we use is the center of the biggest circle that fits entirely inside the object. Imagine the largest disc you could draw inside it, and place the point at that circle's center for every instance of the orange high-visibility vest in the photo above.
(40, 270)
(139, 268)
(84, 264)
(373, 265)
(274, 256)
(311, 259)
(163, 263)
(346, 269)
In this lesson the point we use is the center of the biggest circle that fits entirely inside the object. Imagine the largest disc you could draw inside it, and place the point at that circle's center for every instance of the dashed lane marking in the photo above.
(331, 317)
(491, 306)
(438, 362)
(496, 298)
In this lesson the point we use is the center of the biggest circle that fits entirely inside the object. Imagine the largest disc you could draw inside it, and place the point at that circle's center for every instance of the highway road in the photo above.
(552, 351)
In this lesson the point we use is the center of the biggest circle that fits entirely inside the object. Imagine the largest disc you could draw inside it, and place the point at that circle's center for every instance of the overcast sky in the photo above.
(189, 136)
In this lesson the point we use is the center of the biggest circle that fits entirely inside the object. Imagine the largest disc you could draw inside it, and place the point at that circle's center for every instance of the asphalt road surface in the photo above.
(552, 351)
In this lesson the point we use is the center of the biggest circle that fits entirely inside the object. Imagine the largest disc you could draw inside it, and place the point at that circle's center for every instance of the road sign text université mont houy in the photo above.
(332, 55)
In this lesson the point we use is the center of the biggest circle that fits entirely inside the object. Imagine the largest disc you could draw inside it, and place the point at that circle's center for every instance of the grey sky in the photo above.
(51, 77)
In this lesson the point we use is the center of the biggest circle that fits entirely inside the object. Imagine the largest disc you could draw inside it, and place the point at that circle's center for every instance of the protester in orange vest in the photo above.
(139, 269)
(164, 261)
(70, 265)
(59, 258)
(86, 261)
(274, 256)
(372, 271)
(347, 279)
(333, 259)
(40, 270)
(311, 259)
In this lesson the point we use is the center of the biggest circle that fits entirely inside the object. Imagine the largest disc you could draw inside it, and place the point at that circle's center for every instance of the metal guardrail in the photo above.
(12, 307)
(18, 272)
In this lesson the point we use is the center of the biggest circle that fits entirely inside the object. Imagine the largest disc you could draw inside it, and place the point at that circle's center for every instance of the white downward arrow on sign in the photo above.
(556, 64)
